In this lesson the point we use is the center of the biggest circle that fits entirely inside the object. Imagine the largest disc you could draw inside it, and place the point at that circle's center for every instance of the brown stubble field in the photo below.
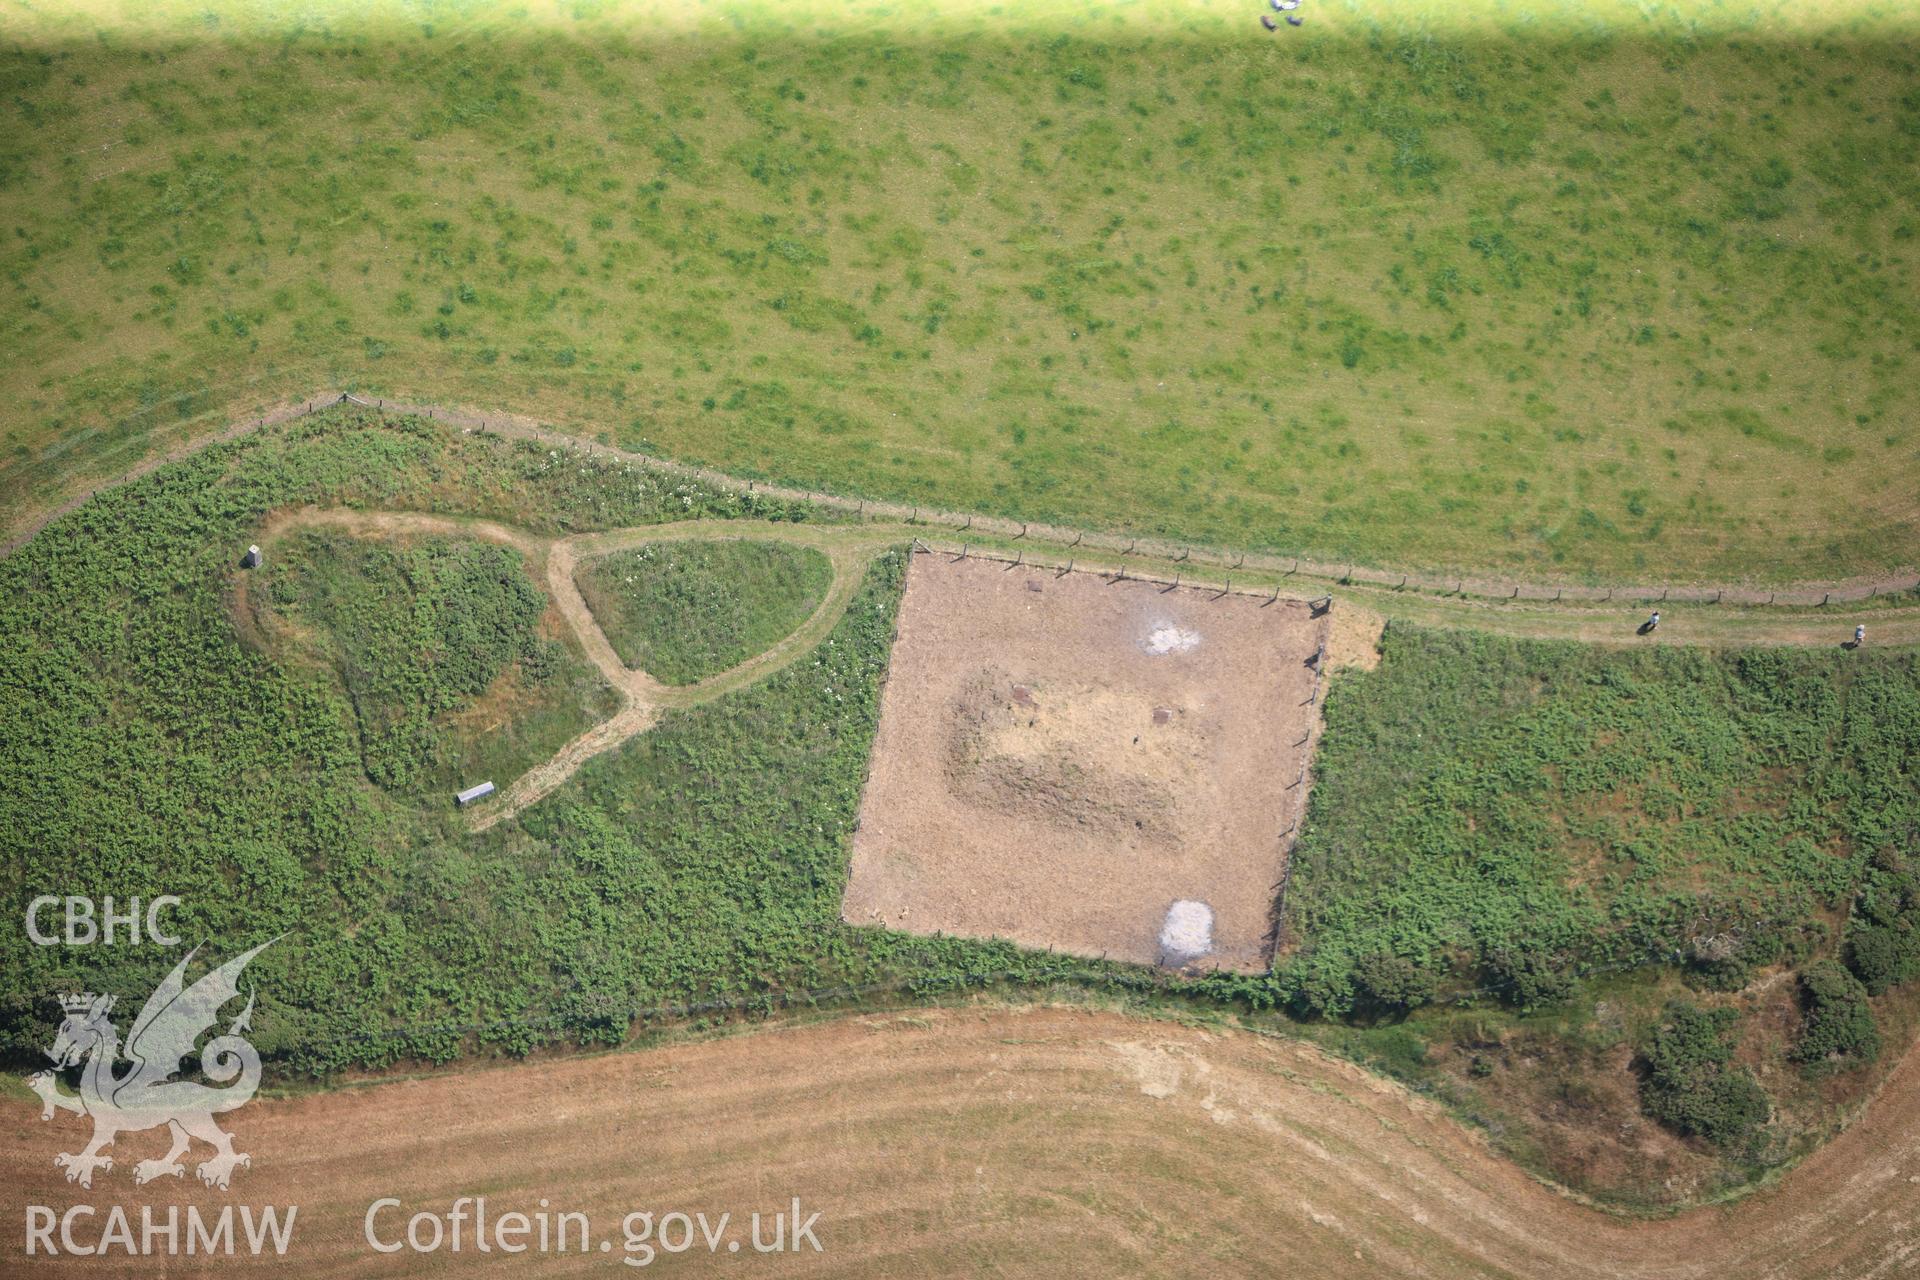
(986, 1140)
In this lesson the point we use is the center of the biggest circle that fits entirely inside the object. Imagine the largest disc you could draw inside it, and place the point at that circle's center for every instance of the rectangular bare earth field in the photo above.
(1062, 759)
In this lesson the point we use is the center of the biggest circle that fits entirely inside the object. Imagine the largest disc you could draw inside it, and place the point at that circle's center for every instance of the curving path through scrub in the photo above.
(848, 548)
(1042, 1142)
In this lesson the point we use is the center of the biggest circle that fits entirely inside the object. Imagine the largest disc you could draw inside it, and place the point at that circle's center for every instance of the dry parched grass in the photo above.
(1565, 289)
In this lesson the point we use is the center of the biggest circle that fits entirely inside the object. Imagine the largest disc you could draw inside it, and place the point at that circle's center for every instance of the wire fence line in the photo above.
(1251, 992)
(237, 428)
(638, 1020)
(1113, 573)
(509, 424)
(1291, 836)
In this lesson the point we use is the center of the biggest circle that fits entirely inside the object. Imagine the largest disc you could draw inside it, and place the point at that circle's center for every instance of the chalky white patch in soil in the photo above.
(1167, 638)
(1188, 931)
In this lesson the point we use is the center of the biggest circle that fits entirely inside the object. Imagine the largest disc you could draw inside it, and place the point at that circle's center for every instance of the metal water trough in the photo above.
(471, 794)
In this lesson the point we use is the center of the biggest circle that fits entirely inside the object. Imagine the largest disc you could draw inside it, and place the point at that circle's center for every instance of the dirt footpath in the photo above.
(554, 561)
(1062, 760)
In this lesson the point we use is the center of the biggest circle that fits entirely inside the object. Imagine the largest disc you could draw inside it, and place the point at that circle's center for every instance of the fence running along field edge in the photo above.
(1799, 595)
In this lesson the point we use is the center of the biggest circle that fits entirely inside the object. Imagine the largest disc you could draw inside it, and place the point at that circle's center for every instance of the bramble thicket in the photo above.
(1494, 822)
(1509, 814)
(1498, 821)
(145, 748)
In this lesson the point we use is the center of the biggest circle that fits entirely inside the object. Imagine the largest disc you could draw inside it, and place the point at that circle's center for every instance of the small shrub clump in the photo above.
(1838, 1031)
(1388, 985)
(1690, 1085)
(1883, 936)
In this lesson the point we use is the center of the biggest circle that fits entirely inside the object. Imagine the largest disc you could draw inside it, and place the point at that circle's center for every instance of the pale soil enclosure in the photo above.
(1097, 766)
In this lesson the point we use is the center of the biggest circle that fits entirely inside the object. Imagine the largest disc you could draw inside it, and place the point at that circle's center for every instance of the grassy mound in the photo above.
(439, 648)
(148, 746)
(683, 611)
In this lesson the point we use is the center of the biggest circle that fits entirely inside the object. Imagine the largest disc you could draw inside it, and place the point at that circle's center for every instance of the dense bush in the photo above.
(1509, 815)
(1838, 1029)
(1529, 974)
(1883, 933)
(1389, 984)
(1689, 1084)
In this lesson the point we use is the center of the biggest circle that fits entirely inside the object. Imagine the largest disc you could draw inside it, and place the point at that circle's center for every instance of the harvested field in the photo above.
(993, 1142)
(1063, 759)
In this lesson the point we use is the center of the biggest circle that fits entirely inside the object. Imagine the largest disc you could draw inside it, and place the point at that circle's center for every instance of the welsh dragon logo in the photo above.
(145, 1095)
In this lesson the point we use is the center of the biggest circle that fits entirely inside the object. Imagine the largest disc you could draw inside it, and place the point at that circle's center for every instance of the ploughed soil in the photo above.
(1041, 1141)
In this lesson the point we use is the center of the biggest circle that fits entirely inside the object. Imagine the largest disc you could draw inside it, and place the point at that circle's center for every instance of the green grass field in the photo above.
(683, 611)
(1578, 290)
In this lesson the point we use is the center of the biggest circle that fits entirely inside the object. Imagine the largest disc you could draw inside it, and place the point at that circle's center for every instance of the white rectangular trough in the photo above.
(471, 794)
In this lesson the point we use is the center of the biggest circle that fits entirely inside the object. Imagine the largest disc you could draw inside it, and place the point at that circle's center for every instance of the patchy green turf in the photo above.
(1591, 289)
(683, 611)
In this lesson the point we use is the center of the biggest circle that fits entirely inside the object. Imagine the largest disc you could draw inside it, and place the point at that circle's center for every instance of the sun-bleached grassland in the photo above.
(1585, 290)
